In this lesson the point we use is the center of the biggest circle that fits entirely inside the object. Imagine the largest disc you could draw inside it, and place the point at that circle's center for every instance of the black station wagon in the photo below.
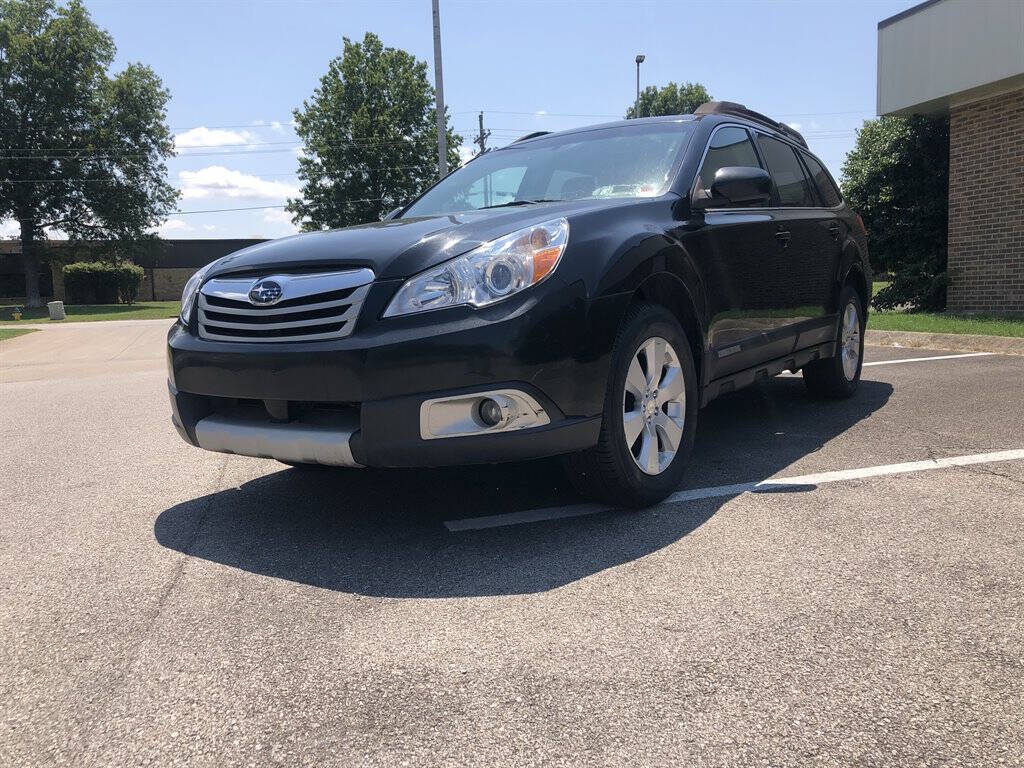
(580, 293)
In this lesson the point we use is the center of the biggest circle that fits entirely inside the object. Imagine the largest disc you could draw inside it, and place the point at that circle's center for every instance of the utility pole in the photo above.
(442, 127)
(636, 107)
(481, 138)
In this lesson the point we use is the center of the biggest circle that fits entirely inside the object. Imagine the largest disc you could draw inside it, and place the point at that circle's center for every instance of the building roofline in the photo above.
(909, 12)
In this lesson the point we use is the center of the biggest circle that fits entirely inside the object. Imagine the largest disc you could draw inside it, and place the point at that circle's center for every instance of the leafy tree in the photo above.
(370, 137)
(671, 99)
(897, 178)
(81, 151)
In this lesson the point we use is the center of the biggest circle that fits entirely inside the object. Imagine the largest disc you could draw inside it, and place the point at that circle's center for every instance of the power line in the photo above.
(267, 207)
(111, 180)
(106, 152)
(290, 142)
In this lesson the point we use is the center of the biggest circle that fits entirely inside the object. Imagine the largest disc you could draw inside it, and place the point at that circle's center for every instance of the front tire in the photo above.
(838, 377)
(649, 418)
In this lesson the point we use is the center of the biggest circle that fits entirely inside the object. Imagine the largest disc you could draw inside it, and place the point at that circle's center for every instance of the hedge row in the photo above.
(98, 282)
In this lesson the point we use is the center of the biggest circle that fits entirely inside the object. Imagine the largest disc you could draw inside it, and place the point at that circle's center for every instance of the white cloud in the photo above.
(218, 181)
(466, 153)
(794, 126)
(212, 137)
(9, 228)
(282, 219)
(173, 227)
(209, 227)
(541, 112)
(274, 125)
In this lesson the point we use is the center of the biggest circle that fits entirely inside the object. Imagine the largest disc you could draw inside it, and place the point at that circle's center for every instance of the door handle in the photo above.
(833, 229)
(783, 236)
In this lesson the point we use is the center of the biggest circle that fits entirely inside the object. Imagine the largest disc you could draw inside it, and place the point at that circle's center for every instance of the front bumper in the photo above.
(357, 401)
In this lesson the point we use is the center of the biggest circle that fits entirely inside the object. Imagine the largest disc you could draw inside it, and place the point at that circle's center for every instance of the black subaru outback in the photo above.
(580, 293)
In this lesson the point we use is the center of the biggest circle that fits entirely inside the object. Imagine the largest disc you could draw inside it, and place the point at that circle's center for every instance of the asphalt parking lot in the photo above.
(164, 605)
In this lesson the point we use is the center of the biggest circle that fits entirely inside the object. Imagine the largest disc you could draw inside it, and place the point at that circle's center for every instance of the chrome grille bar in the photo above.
(227, 314)
(273, 310)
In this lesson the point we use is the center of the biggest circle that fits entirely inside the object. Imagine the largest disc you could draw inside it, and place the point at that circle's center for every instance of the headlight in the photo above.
(487, 274)
(188, 296)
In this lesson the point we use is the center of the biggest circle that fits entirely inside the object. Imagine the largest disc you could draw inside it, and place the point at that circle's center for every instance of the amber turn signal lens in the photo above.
(544, 261)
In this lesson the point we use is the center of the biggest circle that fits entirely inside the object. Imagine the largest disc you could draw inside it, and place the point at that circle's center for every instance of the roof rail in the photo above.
(533, 135)
(732, 108)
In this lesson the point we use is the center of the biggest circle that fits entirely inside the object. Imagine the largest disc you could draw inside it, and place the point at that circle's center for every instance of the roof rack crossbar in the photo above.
(732, 108)
(533, 135)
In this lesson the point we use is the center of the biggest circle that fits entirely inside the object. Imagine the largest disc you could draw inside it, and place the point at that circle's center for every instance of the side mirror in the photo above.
(391, 214)
(740, 185)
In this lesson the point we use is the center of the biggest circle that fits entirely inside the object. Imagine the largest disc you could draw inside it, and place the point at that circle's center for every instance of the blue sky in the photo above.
(237, 68)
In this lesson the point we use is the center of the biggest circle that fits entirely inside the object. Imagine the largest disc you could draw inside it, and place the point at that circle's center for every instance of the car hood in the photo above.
(401, 247)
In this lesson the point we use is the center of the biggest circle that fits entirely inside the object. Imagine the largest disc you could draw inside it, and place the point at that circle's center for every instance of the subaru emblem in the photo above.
(265, 292)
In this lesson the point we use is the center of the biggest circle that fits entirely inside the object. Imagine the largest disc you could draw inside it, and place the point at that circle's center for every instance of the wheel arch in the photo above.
(667, 290)
(854, 275)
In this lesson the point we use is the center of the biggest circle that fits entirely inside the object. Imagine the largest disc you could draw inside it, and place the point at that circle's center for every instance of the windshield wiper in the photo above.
(519, 202)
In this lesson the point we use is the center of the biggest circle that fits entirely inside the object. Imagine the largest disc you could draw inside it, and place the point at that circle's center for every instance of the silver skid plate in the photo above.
(319, 437)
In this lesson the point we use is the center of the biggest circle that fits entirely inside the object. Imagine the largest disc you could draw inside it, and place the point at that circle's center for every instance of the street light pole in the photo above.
(636, 107)
(442, 127)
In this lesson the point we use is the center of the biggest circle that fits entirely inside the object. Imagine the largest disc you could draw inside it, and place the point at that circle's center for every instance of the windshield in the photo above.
(625, 161)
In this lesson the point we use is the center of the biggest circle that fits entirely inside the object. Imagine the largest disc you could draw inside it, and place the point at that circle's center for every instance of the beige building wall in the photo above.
(165, 284)
(946, 52)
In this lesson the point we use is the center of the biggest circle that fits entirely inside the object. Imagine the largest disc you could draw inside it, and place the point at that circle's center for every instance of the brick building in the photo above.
(965, 58)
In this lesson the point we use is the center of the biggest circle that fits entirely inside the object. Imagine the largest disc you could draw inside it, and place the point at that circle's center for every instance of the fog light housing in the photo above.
(477, 413)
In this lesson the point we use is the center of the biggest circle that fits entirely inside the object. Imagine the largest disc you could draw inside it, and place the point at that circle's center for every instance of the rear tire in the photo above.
(838, 377)
(649, 418)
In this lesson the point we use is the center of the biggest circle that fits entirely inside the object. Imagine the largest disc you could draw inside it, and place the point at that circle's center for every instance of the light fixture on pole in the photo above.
(636, 107)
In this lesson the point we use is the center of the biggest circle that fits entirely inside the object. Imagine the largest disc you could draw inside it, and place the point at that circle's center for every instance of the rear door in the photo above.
(801, 285)
(834, 229)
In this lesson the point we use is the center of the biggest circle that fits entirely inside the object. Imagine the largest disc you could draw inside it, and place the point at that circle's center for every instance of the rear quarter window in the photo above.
(827, 189)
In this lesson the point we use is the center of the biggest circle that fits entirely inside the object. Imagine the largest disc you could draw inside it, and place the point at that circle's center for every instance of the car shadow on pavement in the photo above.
(381, 533)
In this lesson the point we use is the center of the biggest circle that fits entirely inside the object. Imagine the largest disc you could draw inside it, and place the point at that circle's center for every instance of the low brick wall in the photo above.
(986, 204)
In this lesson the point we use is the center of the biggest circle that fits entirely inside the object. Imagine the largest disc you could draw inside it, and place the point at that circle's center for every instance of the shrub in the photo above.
(100, 282)
(129, 278)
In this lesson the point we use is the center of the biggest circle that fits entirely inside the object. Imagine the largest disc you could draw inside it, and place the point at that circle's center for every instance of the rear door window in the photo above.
(789, 176)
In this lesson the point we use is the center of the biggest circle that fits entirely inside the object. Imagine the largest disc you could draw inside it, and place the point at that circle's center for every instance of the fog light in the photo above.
(490, 412)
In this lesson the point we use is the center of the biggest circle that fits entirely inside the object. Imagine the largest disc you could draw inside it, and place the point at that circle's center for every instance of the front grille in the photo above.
(312, 307)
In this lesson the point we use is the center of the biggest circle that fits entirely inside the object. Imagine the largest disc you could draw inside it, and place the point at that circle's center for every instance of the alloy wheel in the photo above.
(654, 405)
(850, 341)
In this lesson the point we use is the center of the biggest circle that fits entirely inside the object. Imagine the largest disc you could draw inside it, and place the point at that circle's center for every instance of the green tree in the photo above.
(370, 137)
(897, 178)
(671, 99)
(81, 152)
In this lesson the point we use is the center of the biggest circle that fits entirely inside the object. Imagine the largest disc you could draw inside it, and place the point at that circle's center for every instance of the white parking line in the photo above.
(764, 486)
(926, 359)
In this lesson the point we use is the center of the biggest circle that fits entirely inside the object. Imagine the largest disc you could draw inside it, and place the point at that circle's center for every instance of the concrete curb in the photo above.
(167, 321)
(955, 342)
